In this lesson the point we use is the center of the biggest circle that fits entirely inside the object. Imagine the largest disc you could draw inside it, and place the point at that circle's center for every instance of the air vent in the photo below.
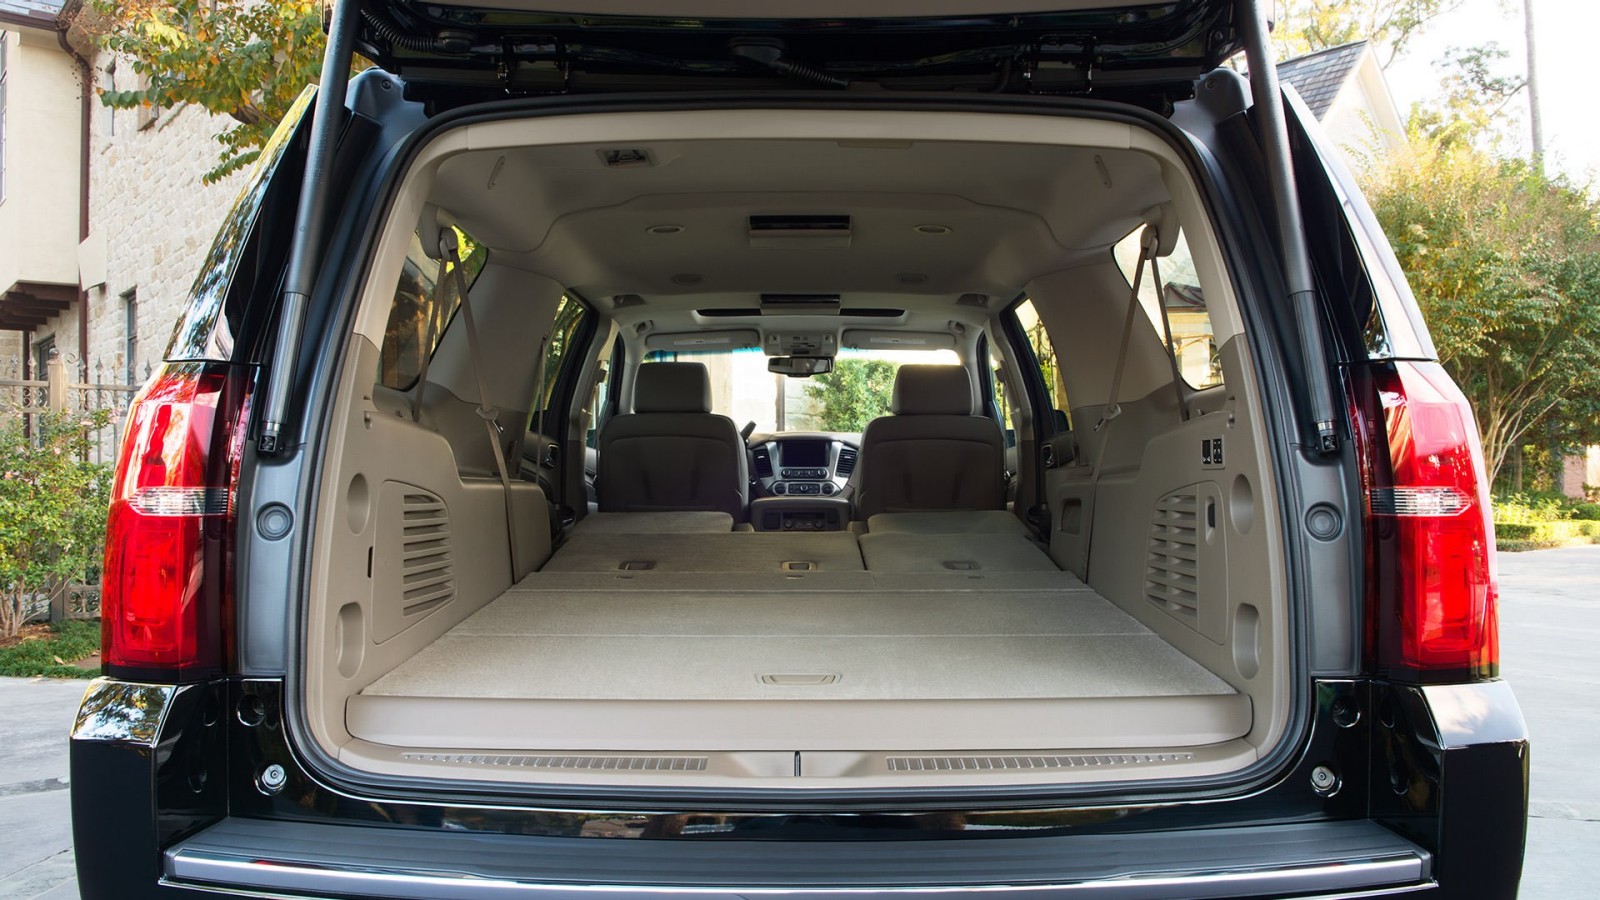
(1172, 572)
(860, 312)
(847, 462)
(812, 223)
(570, 763)
(1022, 763)
(427, 576)
(763, 458)
(800, 232)
(799, 304)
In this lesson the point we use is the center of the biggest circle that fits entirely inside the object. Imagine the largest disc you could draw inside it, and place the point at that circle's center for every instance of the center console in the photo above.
(800, 514)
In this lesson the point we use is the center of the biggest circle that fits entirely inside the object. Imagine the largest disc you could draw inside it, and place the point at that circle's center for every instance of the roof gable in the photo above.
(1319, 76)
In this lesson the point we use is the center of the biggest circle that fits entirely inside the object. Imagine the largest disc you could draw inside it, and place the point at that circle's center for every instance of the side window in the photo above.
(1185, 307)
(565, 333)
(423, 308)
(1044, 356)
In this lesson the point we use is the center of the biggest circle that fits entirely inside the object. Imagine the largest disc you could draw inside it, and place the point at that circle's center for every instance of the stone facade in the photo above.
(151, 222)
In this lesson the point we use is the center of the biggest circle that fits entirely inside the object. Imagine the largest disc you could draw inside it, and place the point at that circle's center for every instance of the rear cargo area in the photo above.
(796, 642)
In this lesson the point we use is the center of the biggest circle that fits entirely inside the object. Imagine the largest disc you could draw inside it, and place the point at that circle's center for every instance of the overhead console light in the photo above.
(799, 232)
(799, 304)
(626, 158)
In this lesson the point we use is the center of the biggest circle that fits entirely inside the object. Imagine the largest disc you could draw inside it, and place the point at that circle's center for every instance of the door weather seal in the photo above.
(1286, 201)
(311, 219)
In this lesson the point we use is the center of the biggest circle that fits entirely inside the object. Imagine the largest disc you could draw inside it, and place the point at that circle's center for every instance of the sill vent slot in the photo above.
(1172, 565)
(427, 566)
(1023, 763)
(763, 459)
(569, 763)
(847, 462)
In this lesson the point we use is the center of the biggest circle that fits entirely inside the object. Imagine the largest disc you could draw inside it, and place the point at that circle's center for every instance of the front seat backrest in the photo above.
(672, 453)
(933, 453)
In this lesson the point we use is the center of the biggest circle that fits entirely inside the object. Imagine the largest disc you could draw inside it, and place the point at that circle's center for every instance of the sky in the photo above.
(1566, 38)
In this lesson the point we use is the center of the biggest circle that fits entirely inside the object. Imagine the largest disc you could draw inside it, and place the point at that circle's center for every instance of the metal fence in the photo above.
(65, 386)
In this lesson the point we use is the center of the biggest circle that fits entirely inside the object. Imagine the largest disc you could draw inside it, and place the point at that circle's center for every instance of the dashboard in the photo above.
(802, 463)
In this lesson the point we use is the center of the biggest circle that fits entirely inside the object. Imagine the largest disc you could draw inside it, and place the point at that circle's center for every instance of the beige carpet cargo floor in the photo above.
(586, 661)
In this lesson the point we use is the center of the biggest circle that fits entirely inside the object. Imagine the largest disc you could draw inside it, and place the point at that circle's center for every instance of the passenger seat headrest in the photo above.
(672, 387)
(932, 391)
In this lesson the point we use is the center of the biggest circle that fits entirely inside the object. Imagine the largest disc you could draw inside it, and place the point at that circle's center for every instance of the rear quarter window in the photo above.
(1193, 342)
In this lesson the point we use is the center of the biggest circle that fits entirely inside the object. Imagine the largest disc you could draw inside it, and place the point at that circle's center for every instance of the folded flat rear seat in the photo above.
(654, 523)
(904, 553)
(740, 551)
(966, 521)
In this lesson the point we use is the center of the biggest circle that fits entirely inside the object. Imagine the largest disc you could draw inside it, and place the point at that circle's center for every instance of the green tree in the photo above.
(1505, 263)
(246, 59)
(1305, 26)
(853, 394)
(52, 510)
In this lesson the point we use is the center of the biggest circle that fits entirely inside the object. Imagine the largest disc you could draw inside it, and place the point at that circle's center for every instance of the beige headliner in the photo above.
(1049, 194)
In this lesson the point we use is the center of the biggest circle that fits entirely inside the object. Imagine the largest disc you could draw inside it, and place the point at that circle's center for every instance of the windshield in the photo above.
(845, 400)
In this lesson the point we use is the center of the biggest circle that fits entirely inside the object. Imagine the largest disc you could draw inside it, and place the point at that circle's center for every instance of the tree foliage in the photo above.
(1505, 263)
(1473, 100)
(1305, 26)
(853, 394)
(52, 509)
(246, 59)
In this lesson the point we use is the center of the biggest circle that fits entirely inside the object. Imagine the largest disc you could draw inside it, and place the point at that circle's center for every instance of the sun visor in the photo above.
(704, 341)
(867, 339)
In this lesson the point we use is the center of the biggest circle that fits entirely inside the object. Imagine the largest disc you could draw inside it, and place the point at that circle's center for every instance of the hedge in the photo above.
(1512, 536)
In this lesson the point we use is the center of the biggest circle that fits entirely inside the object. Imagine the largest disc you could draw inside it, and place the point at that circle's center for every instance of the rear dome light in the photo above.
(1432, 591)
(167, 573)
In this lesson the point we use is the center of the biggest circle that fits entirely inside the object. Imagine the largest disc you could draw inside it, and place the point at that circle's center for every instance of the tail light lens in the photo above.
(167, 580)
(1431, 592)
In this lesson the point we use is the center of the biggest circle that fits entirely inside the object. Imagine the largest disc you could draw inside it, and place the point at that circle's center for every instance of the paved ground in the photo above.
(36, 848)
(1550, 632)
(1550, 652)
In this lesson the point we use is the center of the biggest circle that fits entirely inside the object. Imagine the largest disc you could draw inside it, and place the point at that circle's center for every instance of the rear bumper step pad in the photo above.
(1326, 858)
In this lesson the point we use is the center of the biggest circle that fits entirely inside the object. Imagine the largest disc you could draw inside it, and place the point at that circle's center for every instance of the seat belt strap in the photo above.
(1172, 348)
(1147, 249)
(450, 244)
(427, 342)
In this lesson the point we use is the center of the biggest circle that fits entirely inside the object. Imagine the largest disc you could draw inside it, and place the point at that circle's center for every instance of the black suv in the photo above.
(1100, 524)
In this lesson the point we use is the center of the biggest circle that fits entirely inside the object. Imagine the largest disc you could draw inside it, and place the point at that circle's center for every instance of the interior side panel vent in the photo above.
(413, 568)
(763, 460)
(1186, 558)
(847, 462)
(1172, 573)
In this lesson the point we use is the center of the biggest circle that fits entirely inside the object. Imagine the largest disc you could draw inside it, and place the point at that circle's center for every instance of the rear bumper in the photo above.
(168, 801)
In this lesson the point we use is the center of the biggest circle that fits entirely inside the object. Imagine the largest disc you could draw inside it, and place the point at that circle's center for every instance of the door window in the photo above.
(1185, 305)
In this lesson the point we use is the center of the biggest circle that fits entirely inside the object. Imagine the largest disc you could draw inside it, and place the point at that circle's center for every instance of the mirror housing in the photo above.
(800, 366)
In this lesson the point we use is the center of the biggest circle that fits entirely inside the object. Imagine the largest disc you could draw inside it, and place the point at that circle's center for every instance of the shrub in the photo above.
(52, 510)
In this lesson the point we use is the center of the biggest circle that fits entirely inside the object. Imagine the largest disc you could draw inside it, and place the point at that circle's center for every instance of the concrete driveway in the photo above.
(1550, 632)
(36, 854)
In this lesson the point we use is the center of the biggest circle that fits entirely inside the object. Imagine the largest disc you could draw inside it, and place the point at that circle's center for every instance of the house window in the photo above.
(5, 67)
(130, 333)
(42, 348)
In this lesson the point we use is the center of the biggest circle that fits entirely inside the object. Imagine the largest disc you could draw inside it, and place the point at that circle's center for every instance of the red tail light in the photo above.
(167, 574)
(1432, 595)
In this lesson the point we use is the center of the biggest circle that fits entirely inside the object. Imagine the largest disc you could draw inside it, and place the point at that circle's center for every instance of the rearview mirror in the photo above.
(800, 366)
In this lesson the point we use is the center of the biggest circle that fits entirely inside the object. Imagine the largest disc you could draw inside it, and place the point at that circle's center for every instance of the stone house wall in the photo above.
(151, 223)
